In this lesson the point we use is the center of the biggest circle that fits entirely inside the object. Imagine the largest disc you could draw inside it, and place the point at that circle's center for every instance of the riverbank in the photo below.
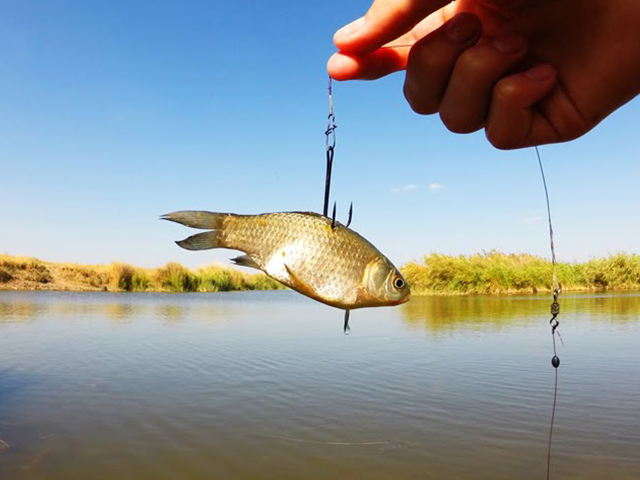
(500, 273)
(483, 273)
(23, 273)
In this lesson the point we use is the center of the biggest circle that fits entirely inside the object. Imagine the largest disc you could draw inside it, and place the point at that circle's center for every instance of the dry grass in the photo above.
(23, 273)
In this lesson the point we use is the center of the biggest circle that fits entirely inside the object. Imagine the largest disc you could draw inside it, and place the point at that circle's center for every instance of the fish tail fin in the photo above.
(204, 220)
(197, 219)
(203, 241)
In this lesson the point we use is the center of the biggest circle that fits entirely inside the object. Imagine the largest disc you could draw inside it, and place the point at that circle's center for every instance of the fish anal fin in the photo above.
(246, 261)
(301, 286)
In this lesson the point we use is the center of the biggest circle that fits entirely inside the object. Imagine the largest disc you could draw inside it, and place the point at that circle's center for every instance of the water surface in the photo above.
(264, 385)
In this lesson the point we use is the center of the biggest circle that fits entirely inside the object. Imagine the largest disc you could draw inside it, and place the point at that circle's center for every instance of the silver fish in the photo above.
(306, 252)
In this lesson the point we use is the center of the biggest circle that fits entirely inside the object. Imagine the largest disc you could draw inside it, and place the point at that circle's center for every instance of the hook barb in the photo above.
(347, 328)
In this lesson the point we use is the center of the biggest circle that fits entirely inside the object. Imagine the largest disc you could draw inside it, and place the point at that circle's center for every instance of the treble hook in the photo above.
(350, 215)
(333, 217)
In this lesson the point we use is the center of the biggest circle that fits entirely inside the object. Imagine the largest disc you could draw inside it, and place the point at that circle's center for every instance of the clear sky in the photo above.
(114, 112)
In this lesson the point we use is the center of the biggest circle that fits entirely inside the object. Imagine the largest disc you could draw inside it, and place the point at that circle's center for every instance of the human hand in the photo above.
(529, 72)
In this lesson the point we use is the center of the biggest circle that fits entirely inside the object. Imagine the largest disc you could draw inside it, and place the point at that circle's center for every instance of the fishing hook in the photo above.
(347, 328)
(333, 217)
(330, 142)
(350, 215)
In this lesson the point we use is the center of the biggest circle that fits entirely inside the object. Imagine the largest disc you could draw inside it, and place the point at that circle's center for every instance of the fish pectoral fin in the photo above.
(300, 285)
(245, 261)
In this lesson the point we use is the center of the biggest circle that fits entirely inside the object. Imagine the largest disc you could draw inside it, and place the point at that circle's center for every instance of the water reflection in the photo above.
(439, 313)
(20, 312)
(26, 307)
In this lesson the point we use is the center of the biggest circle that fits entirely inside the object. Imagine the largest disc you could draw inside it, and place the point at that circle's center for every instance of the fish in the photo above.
(308, 252)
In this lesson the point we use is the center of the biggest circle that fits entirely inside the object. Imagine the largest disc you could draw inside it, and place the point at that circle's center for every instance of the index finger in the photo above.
(385, 21)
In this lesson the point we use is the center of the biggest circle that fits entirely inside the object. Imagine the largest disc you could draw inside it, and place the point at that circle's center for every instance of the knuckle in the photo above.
(498, 140)
(472, 62)
(457, 123)
(503, 139)
(505, 91)
(418, 101)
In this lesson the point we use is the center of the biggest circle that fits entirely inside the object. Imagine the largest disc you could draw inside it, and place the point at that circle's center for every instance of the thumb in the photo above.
(385, 21)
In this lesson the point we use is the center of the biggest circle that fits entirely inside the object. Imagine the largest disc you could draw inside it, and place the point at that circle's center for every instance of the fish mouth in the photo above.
(402, 300)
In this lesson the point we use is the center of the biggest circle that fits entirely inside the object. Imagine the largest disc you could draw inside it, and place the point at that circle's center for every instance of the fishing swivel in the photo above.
(555, 310)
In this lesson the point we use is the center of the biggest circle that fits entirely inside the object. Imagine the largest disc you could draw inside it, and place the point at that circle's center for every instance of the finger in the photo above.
(367, 67)
(433, 58)
(465, 105)
(385, 21)
(513, 120)
(387, 59)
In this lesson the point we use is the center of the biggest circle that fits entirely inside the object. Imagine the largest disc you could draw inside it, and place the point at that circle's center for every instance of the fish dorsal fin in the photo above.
(246, 261)
(301, 286)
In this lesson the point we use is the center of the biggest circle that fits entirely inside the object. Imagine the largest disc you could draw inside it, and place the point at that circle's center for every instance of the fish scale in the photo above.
(330, 260)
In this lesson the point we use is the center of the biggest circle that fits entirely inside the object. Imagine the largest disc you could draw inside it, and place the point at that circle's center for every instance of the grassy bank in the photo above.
(22, 273)
(492, 272)
(496, 272)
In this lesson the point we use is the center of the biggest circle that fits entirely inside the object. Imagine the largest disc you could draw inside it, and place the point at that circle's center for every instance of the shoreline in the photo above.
(488, 273)
(413, 294)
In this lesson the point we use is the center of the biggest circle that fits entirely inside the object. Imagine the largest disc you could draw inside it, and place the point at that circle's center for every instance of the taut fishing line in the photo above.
(555, 310)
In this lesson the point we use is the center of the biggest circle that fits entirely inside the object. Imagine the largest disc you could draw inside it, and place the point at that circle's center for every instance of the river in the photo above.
(264, 385)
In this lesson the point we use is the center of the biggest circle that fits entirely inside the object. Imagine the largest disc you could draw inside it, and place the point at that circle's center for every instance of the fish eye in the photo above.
(398, 283)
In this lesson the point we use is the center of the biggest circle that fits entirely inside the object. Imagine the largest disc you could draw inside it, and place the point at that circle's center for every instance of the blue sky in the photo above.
(112, 113)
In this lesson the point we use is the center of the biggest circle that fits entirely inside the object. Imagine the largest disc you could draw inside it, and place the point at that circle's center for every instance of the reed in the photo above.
(496, 272)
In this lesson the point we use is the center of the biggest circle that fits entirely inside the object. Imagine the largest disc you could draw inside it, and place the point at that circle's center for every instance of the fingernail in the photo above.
(540, 72)
(461, 28)
(351, 28)
(507, 44)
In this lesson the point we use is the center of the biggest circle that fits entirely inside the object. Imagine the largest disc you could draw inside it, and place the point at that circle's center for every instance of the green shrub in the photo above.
(496, 272)
(176, 278)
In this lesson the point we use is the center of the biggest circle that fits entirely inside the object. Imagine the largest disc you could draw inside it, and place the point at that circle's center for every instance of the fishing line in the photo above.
(555, 310)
